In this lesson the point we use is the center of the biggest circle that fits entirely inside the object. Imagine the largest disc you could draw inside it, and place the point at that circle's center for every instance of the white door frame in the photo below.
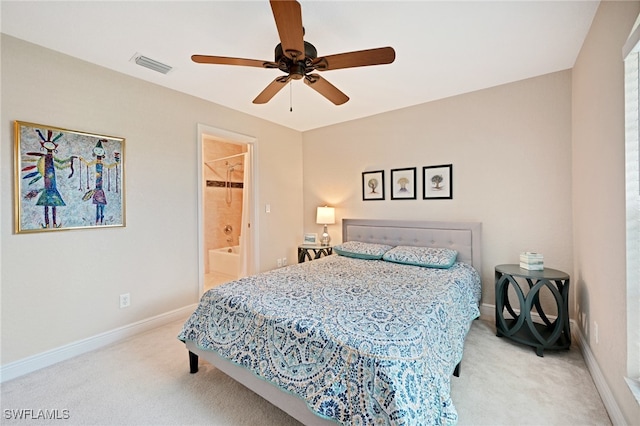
(252, 145)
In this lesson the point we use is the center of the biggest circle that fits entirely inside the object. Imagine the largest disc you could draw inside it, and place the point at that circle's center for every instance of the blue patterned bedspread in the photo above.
(361, 341)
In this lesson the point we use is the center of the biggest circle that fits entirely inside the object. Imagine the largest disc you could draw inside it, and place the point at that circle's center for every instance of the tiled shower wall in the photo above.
(217, 213)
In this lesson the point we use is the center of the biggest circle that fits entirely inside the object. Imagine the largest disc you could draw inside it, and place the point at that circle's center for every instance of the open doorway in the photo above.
(226, 223)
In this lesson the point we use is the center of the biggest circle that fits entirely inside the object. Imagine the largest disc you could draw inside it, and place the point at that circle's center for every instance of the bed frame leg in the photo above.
(456, 371)
(193, 363)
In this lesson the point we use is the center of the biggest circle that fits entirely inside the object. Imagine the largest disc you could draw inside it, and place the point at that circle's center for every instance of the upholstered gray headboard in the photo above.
(464, 237)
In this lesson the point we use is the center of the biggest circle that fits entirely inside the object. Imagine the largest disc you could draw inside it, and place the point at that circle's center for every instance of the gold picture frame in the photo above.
(67, 179)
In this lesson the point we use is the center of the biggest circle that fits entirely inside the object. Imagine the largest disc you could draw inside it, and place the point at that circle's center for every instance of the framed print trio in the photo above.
(437, 183)
(66, 179)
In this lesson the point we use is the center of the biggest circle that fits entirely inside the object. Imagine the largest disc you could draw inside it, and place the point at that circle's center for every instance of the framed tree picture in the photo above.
(403, 184)
(373, 185)
(437, 182)
(65, 179)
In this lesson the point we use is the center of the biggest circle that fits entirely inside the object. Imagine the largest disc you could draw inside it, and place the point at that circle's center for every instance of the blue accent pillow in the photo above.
(430, 257)
(362, 250)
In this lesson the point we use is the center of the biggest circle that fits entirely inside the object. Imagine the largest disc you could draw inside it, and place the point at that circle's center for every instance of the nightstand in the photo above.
(518, 325)
(313, 251)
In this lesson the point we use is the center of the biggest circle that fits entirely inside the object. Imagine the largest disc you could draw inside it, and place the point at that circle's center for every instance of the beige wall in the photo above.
(599, 195)
(510, 147)
(60, 287)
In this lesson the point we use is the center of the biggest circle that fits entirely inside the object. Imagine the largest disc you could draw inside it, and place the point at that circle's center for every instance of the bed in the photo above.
(351, 338)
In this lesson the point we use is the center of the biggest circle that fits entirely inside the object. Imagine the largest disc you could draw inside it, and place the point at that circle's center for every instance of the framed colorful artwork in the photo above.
(65, 179)
(403, 184)
(373, 185)
(437, 182)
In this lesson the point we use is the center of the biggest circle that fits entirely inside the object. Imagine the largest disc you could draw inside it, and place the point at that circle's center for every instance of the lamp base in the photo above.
(325, 239)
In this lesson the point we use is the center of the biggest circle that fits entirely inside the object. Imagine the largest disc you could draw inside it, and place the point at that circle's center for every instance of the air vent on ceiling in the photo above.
(152, 64)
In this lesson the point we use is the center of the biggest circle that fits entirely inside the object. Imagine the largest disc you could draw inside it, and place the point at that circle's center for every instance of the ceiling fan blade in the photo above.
(271, 90)
(326, 89)
(360, 58)
(223, 60)
(288, 17)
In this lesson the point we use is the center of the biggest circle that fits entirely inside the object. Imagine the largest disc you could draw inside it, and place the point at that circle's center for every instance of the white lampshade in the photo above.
(326, 216)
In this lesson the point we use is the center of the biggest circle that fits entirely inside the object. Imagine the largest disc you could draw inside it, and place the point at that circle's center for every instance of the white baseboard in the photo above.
(53, 356)
(615, 414)
(488, 313)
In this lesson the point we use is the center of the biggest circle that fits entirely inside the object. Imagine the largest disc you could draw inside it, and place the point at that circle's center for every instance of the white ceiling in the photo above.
(443, 48)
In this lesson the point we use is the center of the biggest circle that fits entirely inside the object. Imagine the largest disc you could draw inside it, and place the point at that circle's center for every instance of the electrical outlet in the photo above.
(595, 331)
(279, 262)
(125, 300)
(284, 261)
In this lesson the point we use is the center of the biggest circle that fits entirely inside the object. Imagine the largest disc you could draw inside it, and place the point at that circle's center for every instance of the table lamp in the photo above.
(325, 216)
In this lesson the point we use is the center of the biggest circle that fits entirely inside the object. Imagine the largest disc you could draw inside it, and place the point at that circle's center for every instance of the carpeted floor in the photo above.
(145, 380)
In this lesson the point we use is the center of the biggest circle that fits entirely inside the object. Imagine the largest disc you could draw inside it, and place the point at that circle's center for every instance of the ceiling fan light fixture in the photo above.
(152, 64)
(297, 70)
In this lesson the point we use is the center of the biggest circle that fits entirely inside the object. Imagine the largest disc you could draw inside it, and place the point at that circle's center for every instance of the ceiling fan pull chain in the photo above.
(290, 97)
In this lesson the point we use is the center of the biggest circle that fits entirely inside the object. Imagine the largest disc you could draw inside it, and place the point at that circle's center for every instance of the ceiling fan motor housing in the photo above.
(296, 69)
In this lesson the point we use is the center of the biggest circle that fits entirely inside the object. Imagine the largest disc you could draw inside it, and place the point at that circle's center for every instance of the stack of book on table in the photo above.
(531, 261)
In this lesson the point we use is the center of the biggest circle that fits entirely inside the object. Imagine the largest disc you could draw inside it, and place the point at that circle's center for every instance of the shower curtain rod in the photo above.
(225, 158)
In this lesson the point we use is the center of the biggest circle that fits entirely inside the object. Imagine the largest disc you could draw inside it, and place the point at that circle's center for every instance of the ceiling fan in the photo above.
(298, 58)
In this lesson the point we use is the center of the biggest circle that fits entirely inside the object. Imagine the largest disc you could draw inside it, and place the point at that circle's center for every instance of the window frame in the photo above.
(631, 56)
